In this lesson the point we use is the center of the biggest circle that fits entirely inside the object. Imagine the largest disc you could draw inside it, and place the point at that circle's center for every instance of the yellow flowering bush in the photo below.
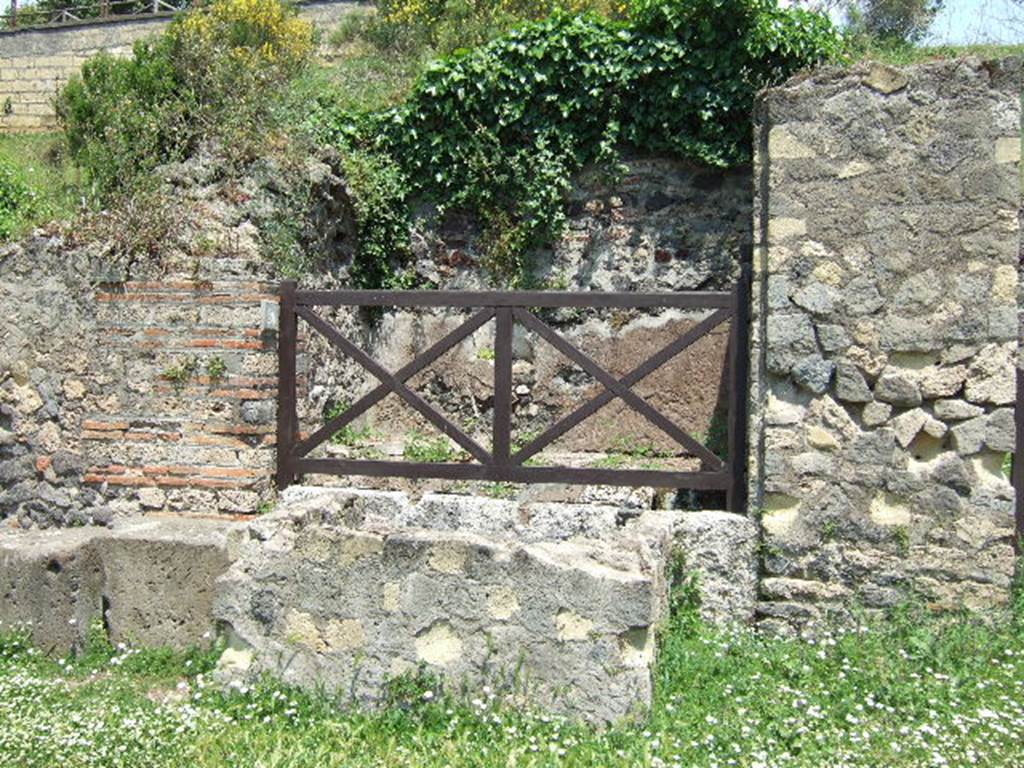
(264, 35)
(212, 76)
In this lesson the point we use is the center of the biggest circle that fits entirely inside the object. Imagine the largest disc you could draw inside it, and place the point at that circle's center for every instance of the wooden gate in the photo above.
(502, 463)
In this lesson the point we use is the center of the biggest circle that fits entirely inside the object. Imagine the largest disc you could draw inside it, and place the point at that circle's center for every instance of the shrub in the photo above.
(17, 201)
(450, 25)
(212, 75)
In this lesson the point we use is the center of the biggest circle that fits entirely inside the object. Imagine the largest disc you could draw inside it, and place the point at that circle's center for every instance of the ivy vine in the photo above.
(499, 130)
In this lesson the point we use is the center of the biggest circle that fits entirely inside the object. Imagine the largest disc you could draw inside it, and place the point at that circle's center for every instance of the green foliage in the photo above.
(429, 450)
(348, 435)
(414, 688)
(181, 373)
(447, 26)
(498, 131)
(910, 691)
(124, 116)
(378, 187)
(206, 78)
(216, 368)
(684, 600)
(17, 201)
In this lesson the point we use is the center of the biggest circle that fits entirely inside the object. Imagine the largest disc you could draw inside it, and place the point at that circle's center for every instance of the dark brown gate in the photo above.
(502, 463)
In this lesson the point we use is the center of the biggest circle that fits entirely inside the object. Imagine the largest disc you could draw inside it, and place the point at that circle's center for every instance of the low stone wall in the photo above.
(553, 606)
(35, 62)
(885, 338)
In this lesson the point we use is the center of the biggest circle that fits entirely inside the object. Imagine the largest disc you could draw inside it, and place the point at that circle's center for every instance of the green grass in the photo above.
(902, 55)
(42, 162)
(915, 692)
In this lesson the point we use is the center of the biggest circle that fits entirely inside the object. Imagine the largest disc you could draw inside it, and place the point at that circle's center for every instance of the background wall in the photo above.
(107, 400)
(34, 63)
(885, 337)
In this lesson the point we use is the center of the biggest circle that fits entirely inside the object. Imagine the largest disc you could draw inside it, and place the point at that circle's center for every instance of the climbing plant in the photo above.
(499, 130)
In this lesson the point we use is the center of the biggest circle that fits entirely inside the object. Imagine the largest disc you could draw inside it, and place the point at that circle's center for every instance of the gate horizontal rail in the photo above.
(502, 463)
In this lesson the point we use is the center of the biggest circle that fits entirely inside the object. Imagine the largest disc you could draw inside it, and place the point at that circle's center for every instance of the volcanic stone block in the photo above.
(567, 625)
(158, 580)
(51, 582)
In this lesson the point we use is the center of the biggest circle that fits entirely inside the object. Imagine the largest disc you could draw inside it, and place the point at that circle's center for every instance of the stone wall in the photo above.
(35, 62)
(132, 395)
(885, 337)
(108, 399)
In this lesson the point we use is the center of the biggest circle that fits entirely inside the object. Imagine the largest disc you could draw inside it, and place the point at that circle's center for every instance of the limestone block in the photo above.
(467, 603)
(898, 387)
(938, 382)
(1000, 430)
(990, 377)
(956, 410)
(790, 339)
(813, 373)
(885, 79)
(876, 414)
(52, 582)
(850, 384)
(158, 580)
(722, 548)
(968, 437)
(907, 425)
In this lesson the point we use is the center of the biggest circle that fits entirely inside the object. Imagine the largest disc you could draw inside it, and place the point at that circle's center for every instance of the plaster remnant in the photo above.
(447, 558)
(439, 646)
(889, 511)
(502, 602)
(572, 626)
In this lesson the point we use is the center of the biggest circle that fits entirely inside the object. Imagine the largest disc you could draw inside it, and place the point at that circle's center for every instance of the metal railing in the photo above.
(29, 16)
(503, 462)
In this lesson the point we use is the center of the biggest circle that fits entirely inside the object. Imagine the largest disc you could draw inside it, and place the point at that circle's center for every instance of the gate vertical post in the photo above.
(502, 427)
(739, 362)
(287, 418)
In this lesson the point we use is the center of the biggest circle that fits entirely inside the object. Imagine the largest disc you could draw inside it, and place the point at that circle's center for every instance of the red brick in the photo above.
(152, 437)
(101, 425)
(173, 469)
(90, 435)
(209, 482)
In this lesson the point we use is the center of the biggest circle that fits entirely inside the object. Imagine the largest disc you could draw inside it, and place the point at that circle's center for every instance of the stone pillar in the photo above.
(885, 337)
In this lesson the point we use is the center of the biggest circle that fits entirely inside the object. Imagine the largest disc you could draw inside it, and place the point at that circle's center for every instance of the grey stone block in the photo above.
(569, 624)
(51, 581)
(722, 548)
(850, 384)
(897, 388)
(159, 579)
